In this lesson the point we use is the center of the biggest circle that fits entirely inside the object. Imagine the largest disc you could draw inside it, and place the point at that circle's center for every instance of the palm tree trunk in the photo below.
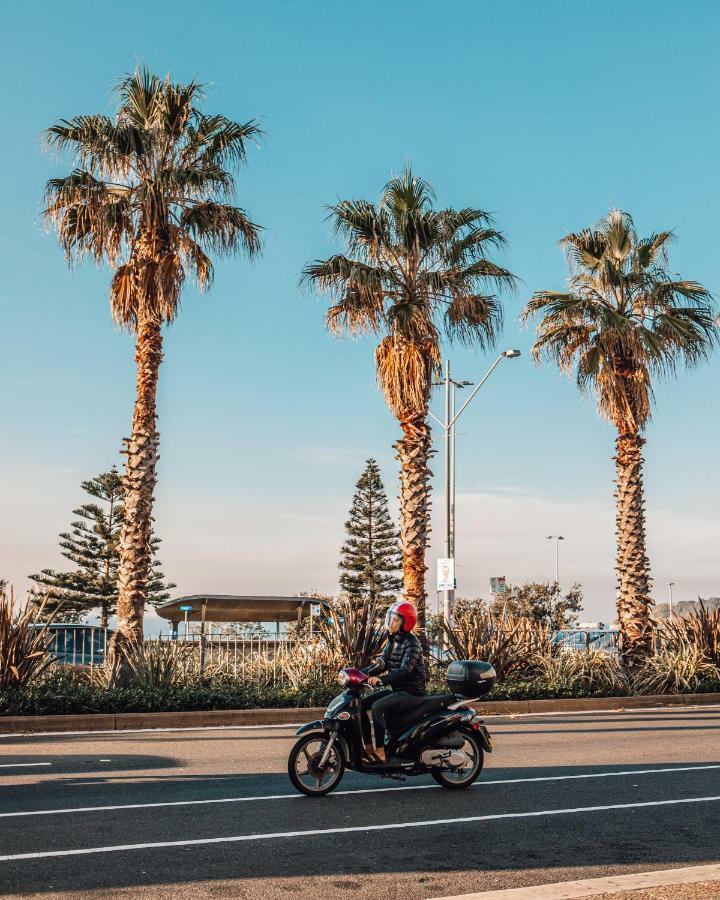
(139, 484)
(413, 451)
(632, 567)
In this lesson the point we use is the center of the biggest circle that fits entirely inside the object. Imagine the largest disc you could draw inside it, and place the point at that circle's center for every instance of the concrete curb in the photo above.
(235, 717)
(594, 887)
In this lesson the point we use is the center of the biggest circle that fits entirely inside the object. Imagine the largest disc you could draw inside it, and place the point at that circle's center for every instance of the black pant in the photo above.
(394, 703)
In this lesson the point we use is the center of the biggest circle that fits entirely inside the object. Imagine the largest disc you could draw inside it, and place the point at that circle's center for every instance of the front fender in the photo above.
(317, 725)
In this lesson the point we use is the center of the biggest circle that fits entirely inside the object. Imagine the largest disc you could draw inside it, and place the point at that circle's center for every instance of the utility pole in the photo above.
(557, 538)
(448, 426)
(671, 585)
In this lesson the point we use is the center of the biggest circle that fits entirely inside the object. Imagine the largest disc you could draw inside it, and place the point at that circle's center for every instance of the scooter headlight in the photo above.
(343, 678)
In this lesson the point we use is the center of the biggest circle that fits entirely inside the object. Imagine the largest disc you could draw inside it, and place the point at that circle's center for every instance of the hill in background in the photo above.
(684, 607)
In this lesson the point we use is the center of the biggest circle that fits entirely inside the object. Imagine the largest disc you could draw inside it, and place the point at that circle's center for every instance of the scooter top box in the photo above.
(470, 677)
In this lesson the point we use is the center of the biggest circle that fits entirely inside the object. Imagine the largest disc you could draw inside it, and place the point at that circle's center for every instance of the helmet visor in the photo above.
(390, 615)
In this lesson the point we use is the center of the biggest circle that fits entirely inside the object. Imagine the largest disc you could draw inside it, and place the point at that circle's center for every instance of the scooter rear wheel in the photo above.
(305, 770)
(458, 779)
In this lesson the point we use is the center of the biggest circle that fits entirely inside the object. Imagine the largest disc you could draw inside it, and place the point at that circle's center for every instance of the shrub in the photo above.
(700, 629)
(352, 631)
(509, 642)
(24, 647)
(154, 664)
(674, 671)
(590, 672)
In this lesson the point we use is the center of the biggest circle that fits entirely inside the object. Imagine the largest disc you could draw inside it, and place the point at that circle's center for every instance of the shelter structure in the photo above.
(231, 608)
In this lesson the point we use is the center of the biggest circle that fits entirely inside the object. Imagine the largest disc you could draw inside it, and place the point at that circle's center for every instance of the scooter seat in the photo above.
(429, 705)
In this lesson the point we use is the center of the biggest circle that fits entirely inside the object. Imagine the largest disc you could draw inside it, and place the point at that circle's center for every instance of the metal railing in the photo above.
(257, 658)
(79, 645)
(606, 639)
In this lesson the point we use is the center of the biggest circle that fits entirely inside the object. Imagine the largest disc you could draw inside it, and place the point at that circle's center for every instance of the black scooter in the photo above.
(442, 737)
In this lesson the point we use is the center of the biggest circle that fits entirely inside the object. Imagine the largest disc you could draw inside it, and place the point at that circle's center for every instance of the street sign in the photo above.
(498, 585)
(446, 574)
(186, 609)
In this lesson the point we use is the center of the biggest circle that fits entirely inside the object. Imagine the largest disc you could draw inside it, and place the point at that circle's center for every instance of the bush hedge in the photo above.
(69, 692)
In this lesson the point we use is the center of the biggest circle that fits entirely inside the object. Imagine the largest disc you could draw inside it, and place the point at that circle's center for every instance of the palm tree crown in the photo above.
(625, 319)
(151, 187)
(412, 273)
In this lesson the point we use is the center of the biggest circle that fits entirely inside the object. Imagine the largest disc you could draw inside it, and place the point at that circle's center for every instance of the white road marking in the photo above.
(22, 765)
(416, 787)
(315, 832)
(670, 708)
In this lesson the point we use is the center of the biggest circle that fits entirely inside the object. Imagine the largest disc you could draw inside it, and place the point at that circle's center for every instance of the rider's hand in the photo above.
(373, 681)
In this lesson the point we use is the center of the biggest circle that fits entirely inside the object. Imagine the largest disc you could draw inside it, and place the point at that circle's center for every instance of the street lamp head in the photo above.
(511, 354)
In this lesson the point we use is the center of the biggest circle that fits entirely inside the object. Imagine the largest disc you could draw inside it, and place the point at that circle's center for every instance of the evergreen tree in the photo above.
(370, 557)
(93, 545)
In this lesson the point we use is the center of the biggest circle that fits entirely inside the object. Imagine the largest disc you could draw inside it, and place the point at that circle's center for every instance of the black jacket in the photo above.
(403, 664)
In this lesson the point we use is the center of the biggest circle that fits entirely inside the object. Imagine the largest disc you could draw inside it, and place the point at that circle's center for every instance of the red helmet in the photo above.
(407, 613)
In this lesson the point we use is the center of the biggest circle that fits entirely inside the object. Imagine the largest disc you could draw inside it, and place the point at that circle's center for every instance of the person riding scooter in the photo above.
(404, 671)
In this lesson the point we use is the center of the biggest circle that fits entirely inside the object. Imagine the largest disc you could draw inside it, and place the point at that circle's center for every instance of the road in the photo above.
(211, 813)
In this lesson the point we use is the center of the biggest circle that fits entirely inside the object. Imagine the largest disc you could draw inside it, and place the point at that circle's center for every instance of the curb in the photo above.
(237, 717)
(596, 887)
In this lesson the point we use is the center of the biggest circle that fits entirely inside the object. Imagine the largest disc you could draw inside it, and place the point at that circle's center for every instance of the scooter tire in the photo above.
(444, 781)
(292, 767)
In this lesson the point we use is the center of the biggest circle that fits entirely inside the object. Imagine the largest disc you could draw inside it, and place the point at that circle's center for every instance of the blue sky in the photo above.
(548, 114)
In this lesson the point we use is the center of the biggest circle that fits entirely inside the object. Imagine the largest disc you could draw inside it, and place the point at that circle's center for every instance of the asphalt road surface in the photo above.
(211, 813)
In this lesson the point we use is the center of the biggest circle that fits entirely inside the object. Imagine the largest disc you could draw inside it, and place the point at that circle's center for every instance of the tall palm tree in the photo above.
(150, 196)
(624, 321)
(410, 274)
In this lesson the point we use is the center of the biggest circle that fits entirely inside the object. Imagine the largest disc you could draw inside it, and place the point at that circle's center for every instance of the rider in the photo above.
(404, 671)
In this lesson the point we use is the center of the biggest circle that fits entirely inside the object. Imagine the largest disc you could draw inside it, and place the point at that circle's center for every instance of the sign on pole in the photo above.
(446, 574)
(498, 585)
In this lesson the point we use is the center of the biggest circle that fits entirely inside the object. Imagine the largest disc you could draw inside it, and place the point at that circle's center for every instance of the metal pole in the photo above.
(202, 637)
(451, 593)
(670, 611)
(557, 538)
(447, 610)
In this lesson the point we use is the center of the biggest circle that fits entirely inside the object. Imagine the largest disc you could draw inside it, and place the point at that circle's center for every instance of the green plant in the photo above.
(508, 641)
(24, 644)
(154, 664)
(674, 671)
(590, 672)
(701, 629)
(352, 631)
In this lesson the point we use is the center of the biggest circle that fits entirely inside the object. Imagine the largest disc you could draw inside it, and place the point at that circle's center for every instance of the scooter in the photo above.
(442, 737)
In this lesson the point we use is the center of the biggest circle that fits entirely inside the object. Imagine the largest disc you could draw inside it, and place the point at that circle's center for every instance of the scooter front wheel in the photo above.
(307, 771)
(457, 779)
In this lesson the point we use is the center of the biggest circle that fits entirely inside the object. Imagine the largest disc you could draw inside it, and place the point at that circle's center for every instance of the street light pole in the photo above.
(448, 595)
(557, 538)
(448, 426)
(671, 585)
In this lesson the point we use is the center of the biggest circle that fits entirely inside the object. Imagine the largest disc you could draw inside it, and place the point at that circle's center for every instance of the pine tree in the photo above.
(370, 557)
(93, 546)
